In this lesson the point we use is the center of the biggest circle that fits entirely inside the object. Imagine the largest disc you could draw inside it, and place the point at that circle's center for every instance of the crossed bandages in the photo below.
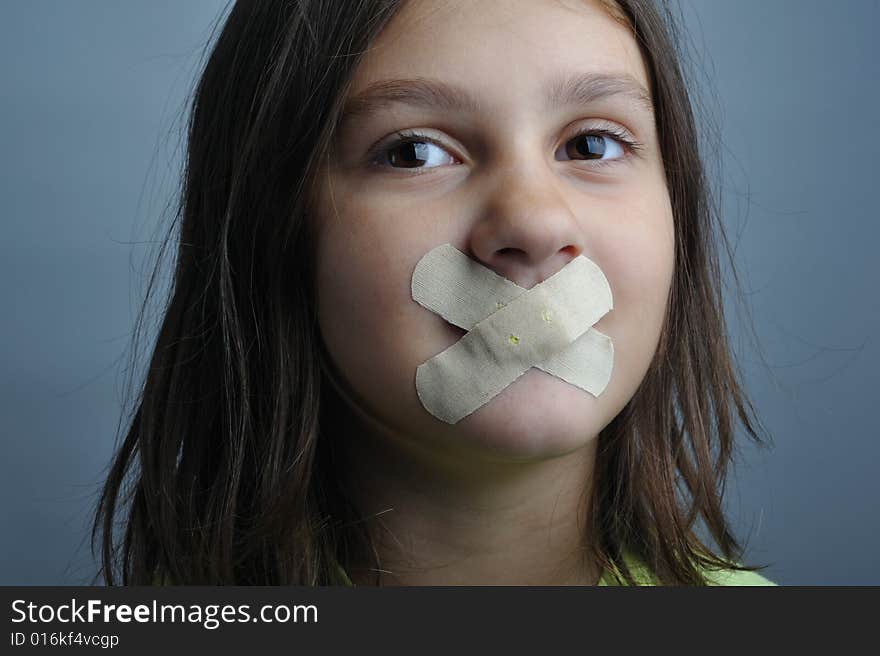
(510, 330)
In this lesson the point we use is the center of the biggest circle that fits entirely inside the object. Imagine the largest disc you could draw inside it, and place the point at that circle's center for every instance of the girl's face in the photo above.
(497, 92)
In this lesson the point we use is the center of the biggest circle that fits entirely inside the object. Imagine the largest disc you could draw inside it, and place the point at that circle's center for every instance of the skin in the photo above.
(498, 497)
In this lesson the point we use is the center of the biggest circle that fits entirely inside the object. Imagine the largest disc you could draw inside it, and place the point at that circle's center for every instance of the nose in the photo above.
(527, 231)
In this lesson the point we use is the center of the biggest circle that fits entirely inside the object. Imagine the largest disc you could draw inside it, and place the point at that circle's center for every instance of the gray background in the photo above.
(92, 94)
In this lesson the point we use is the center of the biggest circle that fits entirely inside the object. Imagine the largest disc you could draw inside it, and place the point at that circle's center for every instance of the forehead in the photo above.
(502, 52)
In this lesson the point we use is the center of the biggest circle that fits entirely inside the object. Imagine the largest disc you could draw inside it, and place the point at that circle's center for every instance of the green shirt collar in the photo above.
(639, 571)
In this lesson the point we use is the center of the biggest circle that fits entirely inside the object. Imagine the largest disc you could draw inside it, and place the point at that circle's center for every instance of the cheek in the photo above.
(374, 333)
(641, 267)
(638, 258)
(359, 290)
(367, 248)
(358, 276)
(637, 249)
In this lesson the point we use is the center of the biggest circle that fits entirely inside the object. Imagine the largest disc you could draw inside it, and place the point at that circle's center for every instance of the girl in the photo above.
(280, 437)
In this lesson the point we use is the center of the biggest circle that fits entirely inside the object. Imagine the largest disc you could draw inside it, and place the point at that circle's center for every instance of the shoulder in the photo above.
(736, 578)
(644, 577)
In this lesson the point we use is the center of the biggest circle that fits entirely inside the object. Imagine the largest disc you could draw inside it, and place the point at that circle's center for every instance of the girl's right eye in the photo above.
(411, 150)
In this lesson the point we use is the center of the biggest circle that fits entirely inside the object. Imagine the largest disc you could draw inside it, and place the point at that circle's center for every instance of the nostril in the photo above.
(510, 251)
(571, 251)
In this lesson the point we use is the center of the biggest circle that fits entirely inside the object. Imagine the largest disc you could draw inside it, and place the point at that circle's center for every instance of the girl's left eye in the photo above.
(413, 150)
(597, 145)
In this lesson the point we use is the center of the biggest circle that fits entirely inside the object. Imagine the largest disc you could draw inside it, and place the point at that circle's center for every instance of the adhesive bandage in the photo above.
(510, 330)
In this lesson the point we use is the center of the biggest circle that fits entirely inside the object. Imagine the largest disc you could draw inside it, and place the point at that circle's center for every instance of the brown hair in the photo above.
(227, 468)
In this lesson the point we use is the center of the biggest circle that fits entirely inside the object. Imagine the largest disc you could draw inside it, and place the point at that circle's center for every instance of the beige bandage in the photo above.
(510, 330)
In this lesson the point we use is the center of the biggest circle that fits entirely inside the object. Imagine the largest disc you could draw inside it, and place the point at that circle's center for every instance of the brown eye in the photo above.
(593, 146)
(408, 155)
(413, 152)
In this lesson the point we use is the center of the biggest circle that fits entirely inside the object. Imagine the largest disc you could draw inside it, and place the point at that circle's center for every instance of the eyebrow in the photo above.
(426, 93)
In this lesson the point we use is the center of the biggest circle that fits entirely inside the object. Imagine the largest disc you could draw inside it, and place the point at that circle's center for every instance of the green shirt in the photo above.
(643, 576)
(636, 566)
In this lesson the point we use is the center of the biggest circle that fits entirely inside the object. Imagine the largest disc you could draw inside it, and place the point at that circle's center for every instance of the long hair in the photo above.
(226, 472)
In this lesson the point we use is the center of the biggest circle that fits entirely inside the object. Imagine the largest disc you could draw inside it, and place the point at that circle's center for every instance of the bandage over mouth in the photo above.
(510, 330)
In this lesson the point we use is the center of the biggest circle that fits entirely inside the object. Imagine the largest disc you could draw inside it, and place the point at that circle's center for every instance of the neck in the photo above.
(440, 520)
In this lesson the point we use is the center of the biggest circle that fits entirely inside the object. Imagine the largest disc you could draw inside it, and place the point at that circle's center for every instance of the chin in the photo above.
(538, 416)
